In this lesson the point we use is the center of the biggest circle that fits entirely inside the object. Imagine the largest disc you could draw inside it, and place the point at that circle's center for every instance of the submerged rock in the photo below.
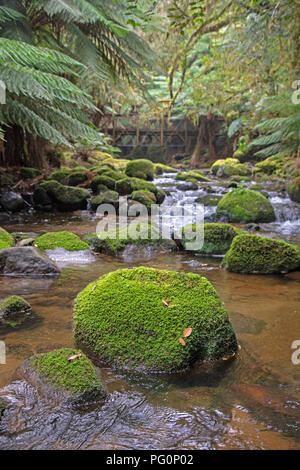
(245, 205)
(13, 311)
(254, 254)
(64, 376)
(67, 240)
(217, 238)
(26, 261)
(12, 201)
(151, 320)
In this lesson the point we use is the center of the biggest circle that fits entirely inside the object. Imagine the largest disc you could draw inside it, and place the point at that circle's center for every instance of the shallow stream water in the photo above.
(252, 402)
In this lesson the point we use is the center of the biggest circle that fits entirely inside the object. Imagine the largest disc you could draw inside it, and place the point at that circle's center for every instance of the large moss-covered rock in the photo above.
(152, 320)
(61, 379)
(159, 169)
(294, 190)
(107, 197)
(115, 175)
(13, 311)
(195, 175)
(144, 197)
(143, 169)
(136, 234)
(76, 178)
(126, 186)
(254, 254)
(65, 198)
(6, 240)
(61, 176)
(102, 180)
(67, 240)
(245, 205)
(229, 167)
(217, 237)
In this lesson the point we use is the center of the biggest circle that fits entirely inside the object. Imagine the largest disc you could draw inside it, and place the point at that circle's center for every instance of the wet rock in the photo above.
(251, 227)
(294, 190)
(26, 261)
(59, 379)
(3, 405)
(14, 311)
(26, 242)
(64, 198)
(12, 201)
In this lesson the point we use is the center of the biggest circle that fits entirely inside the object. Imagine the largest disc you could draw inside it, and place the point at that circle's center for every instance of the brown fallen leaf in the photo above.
(187, 332)
(76, 356)
(182, 342)
(165, 302)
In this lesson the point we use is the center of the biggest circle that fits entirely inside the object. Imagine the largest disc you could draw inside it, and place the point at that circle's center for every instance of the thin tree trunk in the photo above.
(196, 157)
(14, 154)
(212, 151)
(36, 148)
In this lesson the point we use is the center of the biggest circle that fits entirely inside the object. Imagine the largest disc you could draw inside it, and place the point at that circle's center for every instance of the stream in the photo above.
(252, 402)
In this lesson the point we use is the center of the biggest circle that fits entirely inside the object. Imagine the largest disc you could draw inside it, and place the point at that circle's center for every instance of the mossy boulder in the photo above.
(126, 186)
(254, 254)
(217, 237)
(65, 375)
(142, 168)
(144, 197)
(61, 176)
(65, 198)
(160, 196)
(29, 173)
(159, 169)
(195, 175)
(115, 175)
(269, 166)
(294, 190)
(245, 205)
(107, 197)
(229, 167)
(102, 180)
(76, 178)
(13, 311)
(209, 199)
(67, 240)
(137, 234)
(151, 320)
(6, 240)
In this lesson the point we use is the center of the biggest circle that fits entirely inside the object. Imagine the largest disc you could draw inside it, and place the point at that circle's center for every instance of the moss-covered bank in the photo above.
(67, 240)
(6, 240)
(147, 319)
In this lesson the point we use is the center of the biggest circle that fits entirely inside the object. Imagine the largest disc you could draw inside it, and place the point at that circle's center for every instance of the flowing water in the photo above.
(252, 402)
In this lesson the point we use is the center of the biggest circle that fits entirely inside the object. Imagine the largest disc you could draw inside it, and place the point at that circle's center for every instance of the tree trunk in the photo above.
(196, 157)
(36, 148)
(212, 151)
(14, 154)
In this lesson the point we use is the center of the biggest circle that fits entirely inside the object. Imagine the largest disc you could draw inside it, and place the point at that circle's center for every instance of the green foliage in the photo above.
(254, 254)
(67, 240)
(121, 318)
(245, 205)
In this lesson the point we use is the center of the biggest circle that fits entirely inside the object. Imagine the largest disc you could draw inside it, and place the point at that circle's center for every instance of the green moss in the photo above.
(230, 167)
(254, 254)
(102, 180)
(77, 376)
(78, 177)
(191, 175)
(293, 190)
(140, 169)
(243, 205)
(115, 241)
(115, 175)
(67, 240)
(159, 169)
(122, 319)
(108, 197)
(128, 185)
(269, 165)
(65, 197)
(6, 240)
(29, 173)
(13, 311)
(144, 197)
(61, 176)
(208, 200)
(160, 196)
(217, 237)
